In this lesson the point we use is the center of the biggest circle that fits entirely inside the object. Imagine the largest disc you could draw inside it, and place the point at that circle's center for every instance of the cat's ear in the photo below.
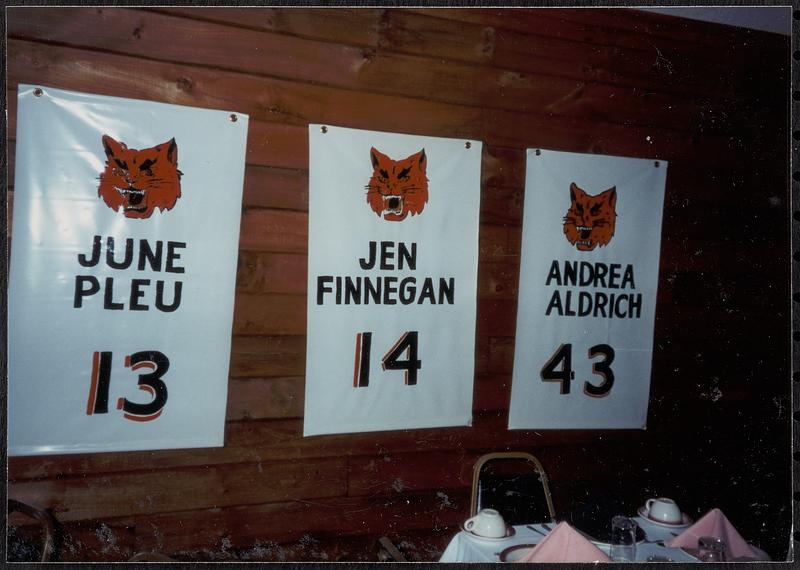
(575, 192)
(422, 160)
(170, 148)
(112, 148)
(610, 197)
(376, 157)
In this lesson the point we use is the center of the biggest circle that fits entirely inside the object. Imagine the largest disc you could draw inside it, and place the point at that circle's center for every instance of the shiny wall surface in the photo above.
(709, 99)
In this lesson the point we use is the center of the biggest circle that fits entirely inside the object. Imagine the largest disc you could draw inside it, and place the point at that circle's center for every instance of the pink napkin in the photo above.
(714, 523)
(565, 544)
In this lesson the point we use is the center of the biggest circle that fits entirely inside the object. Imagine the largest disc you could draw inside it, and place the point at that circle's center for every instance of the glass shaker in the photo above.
(623, 539)
(712, 549)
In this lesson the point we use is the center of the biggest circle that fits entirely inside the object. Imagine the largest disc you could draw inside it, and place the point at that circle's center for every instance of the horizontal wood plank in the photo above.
(270, 314)
(258, 356)
(353, 26)
(217, 486)
(261, 398)
(120, 31)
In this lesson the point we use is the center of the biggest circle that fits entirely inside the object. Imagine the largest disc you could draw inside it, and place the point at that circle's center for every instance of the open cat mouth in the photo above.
(133, 196)
(393, 205)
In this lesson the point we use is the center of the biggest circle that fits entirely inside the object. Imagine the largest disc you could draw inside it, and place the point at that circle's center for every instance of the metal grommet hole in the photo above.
(324, 129)
(233, 118)
(658, 164)
(37, 92)
(467, 144)
(538, 152)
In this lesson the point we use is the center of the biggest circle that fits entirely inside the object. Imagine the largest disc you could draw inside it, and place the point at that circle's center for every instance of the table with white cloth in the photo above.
(465, 547)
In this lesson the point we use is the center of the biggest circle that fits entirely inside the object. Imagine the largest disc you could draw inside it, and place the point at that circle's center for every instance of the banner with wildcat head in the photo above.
(392, 280)
(123, 267)
(591, 240)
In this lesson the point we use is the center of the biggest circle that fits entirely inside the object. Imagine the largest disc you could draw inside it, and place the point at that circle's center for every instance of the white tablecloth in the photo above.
(466, 548)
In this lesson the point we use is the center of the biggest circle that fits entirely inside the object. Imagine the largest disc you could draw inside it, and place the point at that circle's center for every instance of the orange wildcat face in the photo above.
(397, 187)
(590, 220)
(139, 181)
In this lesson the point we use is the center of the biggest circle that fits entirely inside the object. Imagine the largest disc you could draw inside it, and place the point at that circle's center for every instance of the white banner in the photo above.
(591, 239)
(123, 266)
(392, 277)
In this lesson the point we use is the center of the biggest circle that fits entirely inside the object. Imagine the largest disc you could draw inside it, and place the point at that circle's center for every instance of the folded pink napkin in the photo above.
(715, 523)
(565, 544)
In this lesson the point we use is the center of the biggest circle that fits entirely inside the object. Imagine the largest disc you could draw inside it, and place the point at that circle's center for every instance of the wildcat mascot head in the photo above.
(590, 220)
(397, 187)
(139, 181)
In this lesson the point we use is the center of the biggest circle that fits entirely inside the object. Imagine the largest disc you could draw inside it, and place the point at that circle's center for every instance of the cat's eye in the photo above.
(383, 173)
(146, 167)
(404, 173)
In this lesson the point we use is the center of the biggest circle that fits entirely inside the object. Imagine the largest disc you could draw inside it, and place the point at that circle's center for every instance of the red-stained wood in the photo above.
(282, 440)
(274, 230)
(211, 487)
(257, 356)
(624, 28)
(270, 314)
(121, 31)
(410, 472)
(260, 398)
(354, 26)
(492, 392)
(291, 103)
(423, 33)
(239, 533)
(277, 188)
(263, 272)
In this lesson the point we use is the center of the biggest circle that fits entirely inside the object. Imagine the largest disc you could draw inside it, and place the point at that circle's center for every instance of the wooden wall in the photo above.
(707, 98)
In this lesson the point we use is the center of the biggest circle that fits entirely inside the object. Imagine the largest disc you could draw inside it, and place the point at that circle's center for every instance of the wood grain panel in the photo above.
(410, 472)
(354, 26)
(139, 493)
(119, 31)
(260, 398)
(258, 356)
(291, 103)
(492, 392)
(270, 314)
(268, 531)
(262, 98)
(137, 32)
(625, 28)
(425, 34)
(274, 230)
(277, 188)
(282, 440)
(263, 272)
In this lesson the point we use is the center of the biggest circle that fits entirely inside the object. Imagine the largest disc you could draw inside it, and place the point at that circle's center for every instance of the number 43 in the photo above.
(563, 357)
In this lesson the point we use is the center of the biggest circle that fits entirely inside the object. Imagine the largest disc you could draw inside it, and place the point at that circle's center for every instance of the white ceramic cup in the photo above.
(488, 523)
(663, 510)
